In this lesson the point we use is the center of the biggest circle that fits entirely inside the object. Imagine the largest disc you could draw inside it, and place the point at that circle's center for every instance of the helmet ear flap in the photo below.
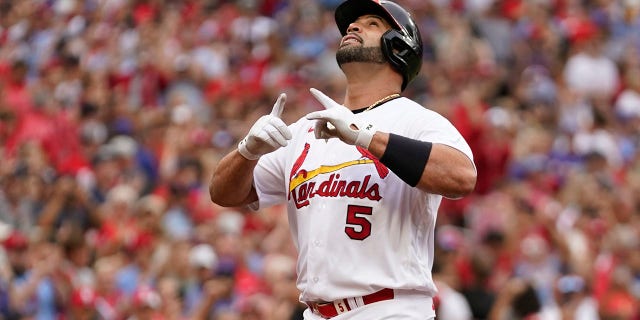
(402, 53)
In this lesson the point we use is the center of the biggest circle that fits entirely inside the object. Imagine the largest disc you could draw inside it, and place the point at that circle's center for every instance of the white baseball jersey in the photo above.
(358, 227)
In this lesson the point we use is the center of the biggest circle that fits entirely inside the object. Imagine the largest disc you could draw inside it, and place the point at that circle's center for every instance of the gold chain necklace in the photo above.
(381, 101)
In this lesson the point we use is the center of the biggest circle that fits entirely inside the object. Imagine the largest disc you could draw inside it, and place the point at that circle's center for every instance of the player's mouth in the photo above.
(350, 39)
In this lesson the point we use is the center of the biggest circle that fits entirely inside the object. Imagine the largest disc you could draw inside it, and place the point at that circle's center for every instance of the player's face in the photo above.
(362, 42)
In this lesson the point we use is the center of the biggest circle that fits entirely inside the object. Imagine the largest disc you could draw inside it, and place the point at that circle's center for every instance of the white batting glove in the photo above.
(337, 121)
(266, 135)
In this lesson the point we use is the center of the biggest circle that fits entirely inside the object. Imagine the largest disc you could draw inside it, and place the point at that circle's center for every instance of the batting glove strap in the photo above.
(365, 135)
(242, 149)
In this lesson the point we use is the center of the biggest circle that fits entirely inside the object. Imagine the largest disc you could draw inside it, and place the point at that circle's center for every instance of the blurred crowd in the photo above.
(114, 112)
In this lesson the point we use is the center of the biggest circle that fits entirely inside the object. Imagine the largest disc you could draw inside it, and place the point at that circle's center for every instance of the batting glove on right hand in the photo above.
(337, 121)
(268, 134)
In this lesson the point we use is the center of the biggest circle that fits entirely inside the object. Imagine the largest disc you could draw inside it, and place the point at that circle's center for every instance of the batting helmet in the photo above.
(401, 45)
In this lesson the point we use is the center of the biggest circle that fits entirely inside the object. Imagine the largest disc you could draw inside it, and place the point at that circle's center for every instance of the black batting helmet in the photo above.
(401, 45)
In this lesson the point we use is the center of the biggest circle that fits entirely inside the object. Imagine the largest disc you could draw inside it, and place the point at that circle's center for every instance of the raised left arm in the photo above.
(431, 167)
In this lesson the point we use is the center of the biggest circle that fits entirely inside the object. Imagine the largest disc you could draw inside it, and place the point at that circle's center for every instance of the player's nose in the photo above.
(353, 27)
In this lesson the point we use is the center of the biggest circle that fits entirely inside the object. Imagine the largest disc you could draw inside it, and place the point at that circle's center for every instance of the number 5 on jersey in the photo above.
(358, 226)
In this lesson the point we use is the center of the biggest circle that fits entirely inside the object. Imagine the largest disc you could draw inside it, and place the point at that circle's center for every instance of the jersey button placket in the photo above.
(318, 254)
(316, 246)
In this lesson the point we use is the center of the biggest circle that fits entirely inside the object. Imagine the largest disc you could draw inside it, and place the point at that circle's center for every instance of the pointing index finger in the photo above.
(278, 107)
(327, 102)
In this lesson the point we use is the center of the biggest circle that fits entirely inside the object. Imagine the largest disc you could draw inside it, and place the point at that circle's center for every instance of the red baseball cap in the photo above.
(15, 241)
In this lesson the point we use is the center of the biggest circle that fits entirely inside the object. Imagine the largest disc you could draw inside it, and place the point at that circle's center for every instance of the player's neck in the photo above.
(368, 83)
(363, 94)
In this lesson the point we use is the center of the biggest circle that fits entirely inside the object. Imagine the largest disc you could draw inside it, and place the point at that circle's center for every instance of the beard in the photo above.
(360, 54)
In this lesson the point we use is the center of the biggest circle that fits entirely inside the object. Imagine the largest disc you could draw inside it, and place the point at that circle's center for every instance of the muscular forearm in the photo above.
(448, 171)
(231, 183)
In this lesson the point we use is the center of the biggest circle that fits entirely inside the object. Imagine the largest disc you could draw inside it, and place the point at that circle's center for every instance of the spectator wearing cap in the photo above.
(136, 165)
(145, 304)
(203, 262)
(104, 174)
(15, 244)
(203, 258)
(588, 70)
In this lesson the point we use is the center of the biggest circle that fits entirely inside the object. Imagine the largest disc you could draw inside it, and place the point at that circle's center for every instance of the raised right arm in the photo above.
(231, 184)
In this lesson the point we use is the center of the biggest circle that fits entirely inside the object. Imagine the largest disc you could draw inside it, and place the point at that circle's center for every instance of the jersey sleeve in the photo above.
(437, 129)
(269, 180)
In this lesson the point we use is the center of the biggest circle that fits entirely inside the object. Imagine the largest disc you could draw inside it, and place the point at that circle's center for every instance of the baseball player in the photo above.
(362, 180)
